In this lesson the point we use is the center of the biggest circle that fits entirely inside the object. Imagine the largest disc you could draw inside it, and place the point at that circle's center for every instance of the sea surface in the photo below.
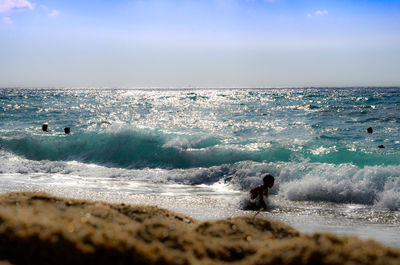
(199, 151)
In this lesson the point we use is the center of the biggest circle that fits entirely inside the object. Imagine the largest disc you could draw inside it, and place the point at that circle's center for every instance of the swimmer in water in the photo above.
(44, 127)
(260, 193)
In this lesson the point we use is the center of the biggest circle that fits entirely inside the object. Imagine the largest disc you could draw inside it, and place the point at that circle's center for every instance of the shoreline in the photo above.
(339, 219)
(201, 204)
(38, 228)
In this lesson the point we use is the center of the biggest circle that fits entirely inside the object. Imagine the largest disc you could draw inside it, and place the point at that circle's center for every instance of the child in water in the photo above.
(259, 194)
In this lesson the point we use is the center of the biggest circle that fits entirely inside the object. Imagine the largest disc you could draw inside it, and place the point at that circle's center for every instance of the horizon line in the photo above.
(192, 87)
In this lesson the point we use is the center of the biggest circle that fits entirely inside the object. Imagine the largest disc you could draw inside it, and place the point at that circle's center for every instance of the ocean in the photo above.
(200, 151)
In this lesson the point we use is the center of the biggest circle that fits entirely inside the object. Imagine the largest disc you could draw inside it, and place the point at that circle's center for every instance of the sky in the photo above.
(204, 43)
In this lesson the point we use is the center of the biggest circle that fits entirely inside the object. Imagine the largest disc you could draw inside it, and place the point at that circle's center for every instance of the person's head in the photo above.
(44, 127)
(67, 130)
(268, 180)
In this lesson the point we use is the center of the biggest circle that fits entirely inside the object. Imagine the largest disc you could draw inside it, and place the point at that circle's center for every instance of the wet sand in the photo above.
(36, 228)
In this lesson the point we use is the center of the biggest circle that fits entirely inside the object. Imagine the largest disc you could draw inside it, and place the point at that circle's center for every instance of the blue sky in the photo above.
(210, 43)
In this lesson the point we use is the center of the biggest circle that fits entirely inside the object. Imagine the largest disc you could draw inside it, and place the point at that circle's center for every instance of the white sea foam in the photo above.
(315, 189)
(296, 181)
(390, 197)
(345, 183)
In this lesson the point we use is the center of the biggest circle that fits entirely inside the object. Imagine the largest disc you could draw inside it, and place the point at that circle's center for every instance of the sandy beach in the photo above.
(36, 228)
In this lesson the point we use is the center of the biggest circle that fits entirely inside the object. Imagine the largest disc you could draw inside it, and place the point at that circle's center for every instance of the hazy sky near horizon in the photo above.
(210, 43)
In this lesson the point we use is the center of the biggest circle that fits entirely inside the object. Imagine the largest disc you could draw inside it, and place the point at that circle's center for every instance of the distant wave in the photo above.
(125, 148)
(140, 149)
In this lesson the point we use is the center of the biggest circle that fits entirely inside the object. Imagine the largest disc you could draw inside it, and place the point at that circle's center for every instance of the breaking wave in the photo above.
(140, 149)
(296, 181)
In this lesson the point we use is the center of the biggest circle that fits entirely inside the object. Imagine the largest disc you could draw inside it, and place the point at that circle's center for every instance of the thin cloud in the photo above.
(53, 13)
(321, 12)
(318, 13)
(14, 5)
(7, 20)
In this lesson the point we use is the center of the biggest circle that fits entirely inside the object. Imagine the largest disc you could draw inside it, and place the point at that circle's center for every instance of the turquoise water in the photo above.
(314, 141)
